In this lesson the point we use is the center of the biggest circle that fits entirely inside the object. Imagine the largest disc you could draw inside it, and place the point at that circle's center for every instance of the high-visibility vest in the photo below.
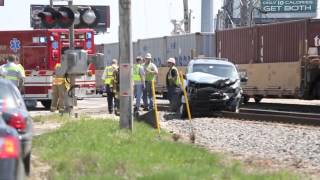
(136, 72)
(58, 80)
(12, 73)
(21, 69)
(171, 79)
(149, 76)
(108, 75)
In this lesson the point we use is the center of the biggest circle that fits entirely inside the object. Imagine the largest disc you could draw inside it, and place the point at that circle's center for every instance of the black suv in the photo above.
(212, 85)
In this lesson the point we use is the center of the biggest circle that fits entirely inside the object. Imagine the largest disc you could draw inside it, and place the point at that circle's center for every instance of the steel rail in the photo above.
(274, 116)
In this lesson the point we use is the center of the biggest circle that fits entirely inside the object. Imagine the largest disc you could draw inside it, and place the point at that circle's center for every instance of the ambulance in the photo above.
(39, 51)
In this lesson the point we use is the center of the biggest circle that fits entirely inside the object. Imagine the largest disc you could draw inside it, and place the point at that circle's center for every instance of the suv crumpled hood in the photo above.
(205, 78)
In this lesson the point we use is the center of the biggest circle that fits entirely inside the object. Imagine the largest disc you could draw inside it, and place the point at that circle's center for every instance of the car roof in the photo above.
(5, 82)
(211, 61)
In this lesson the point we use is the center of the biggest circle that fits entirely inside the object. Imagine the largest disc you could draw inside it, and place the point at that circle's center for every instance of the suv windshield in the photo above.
(221, 70)
(7, 99)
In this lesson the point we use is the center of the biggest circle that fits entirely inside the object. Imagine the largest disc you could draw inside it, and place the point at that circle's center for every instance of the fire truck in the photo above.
(39, 51)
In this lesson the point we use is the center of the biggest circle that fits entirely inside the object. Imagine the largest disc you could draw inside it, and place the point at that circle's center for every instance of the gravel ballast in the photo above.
(284, 145)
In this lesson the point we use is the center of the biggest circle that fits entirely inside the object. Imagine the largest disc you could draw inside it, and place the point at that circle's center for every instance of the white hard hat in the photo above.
(171, 60)
(114, 61)
(148, 56)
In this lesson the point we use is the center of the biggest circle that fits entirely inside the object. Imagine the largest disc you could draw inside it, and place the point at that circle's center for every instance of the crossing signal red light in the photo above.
(49, 17)
(61, 18)
(64, 17)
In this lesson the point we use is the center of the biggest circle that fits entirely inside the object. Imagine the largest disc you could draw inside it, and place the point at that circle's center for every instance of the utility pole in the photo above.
(186, 16)
(243, 12)
(125, 44)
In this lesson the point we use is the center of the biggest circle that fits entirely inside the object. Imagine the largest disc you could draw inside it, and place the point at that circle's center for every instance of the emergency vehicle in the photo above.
(39, 51)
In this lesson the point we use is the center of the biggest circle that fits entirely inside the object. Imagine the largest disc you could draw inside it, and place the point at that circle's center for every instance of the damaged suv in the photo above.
(211, 85)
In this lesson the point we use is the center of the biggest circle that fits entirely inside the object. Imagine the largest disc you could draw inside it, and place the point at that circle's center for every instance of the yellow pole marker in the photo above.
(185, 95)
(192, 135)
(155, 106)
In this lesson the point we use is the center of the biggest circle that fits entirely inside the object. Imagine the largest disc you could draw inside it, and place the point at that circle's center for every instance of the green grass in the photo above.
(97, 149)
(51, 118)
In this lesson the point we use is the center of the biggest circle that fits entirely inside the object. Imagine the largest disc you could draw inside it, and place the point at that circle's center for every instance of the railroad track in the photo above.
(275, 116)
(283, 107)
(272, 112)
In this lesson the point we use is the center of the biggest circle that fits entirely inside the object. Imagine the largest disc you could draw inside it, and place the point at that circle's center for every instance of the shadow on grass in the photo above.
(147, 117)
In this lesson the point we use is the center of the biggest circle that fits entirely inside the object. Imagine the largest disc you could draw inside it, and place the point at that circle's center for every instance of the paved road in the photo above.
(90, 105)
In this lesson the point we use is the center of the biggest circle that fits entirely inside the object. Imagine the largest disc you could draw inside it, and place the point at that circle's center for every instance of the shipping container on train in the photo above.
(181, 47)
(280, 59)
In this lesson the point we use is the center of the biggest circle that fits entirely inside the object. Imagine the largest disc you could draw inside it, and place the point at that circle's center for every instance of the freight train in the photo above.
(280, 59)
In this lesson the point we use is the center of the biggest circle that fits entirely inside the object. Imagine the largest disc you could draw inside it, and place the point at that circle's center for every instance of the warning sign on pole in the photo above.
(125, 70)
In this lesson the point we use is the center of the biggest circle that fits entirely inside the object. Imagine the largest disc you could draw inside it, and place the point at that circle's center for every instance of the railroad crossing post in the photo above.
(73, 101)
(125, 45)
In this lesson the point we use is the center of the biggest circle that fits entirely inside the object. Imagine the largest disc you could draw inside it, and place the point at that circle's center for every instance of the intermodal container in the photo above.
(271, 43)
(181, 47)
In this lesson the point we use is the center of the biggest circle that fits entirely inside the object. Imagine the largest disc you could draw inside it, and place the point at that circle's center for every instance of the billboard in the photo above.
(103, 20)
(289, 6)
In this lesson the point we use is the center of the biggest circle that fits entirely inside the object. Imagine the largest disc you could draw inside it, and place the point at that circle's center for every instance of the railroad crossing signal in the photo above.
(64, 17)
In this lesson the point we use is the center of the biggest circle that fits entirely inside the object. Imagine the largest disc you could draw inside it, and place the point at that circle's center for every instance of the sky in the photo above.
(150, 18)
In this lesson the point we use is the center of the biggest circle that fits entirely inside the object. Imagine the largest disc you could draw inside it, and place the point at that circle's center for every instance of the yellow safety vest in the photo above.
(108, 75)
(11, 72)
(58, 80)
(149, 76)
(136, 72)
(21, 69)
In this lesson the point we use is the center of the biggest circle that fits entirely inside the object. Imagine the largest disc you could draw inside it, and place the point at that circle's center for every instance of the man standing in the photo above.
(59, 88)
(21, 69)
(108, 78)
(172, 82)
(116, 90)
(139, 83)
(151, 71)
(12, 72)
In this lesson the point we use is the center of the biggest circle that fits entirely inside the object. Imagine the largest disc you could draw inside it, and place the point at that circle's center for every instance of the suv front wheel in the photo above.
(235, 108)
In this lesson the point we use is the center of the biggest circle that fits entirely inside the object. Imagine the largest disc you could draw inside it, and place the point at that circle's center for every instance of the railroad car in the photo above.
(281, 59)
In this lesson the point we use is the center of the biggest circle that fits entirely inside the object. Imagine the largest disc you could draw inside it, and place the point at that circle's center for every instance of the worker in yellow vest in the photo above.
(21, 69)
(108, 79)
(12, 72)
(172, 83)
(151, 72)
(138, 80)
(116, 90)
(59, 88)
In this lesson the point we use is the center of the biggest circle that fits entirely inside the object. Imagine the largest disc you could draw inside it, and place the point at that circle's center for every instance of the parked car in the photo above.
(212, 85)
(16, 115)
(11, 167)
